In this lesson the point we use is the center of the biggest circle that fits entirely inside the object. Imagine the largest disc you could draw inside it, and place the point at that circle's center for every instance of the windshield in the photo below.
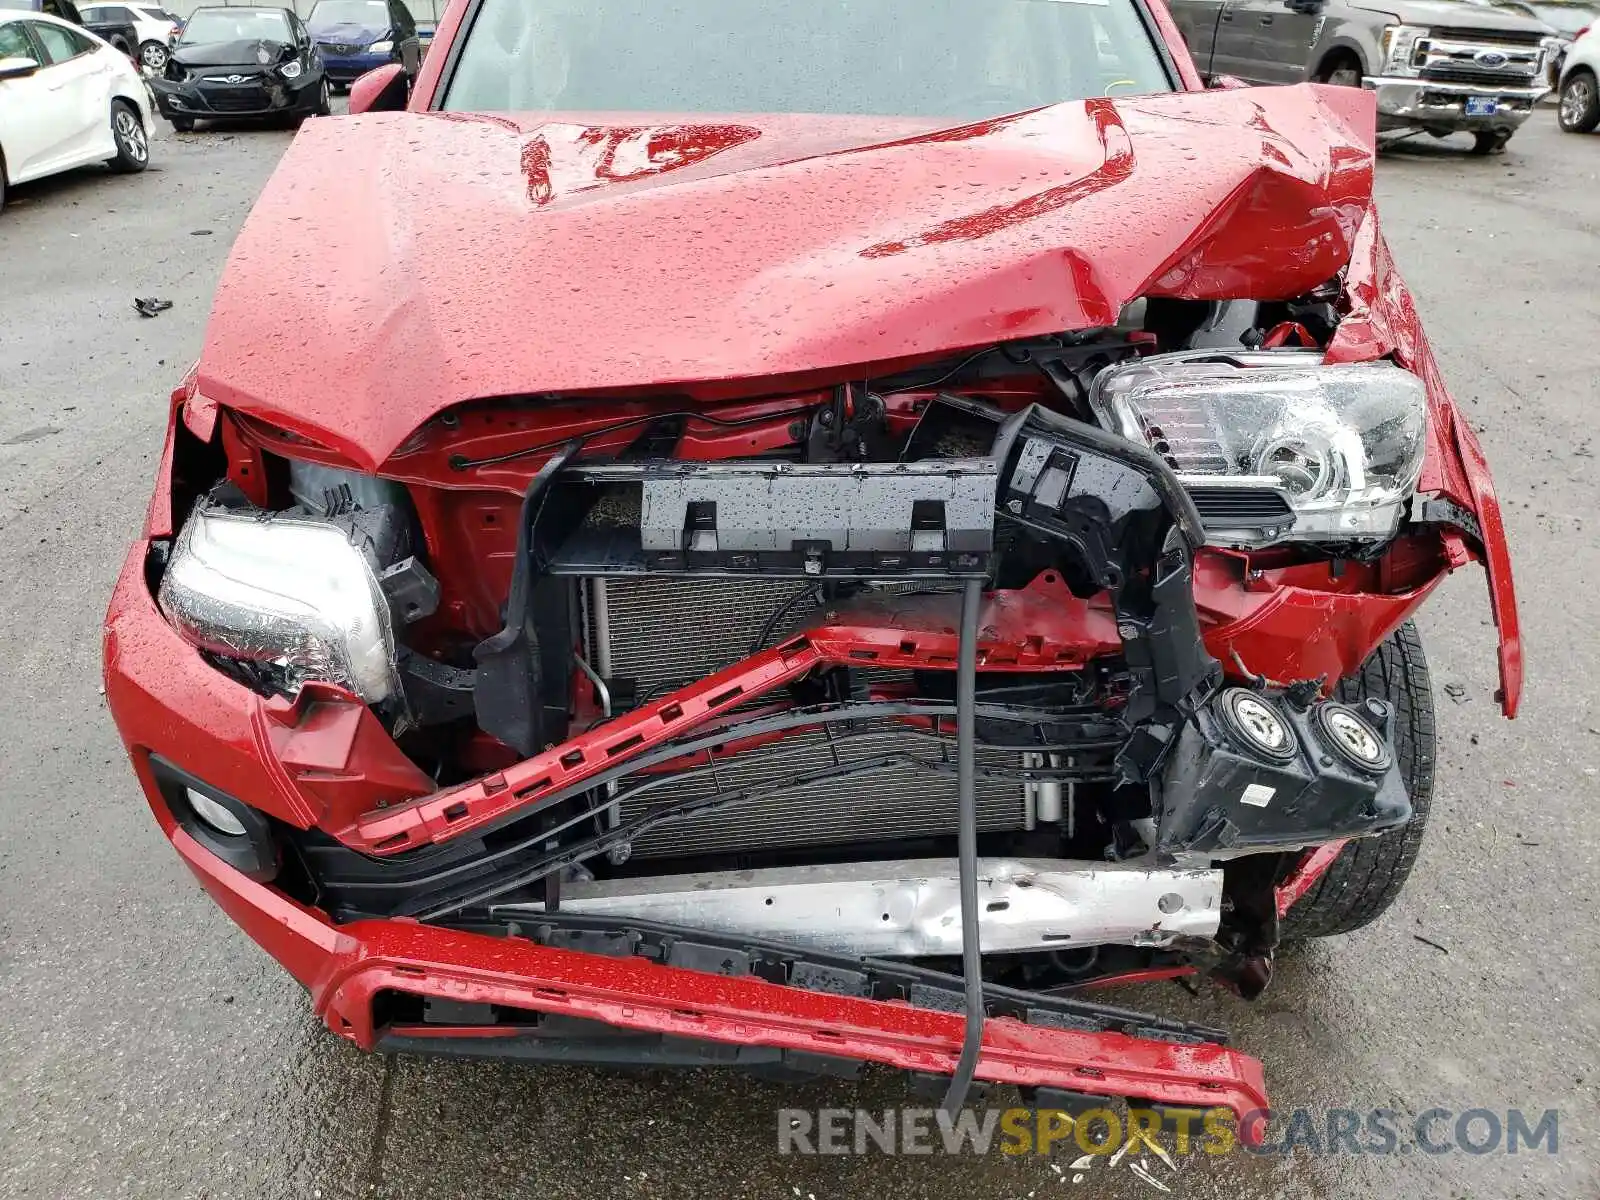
(366, 13)
(933, 58)
(236, 25)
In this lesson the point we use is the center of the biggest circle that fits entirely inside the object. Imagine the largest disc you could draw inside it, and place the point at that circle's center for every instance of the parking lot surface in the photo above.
(148, 1049)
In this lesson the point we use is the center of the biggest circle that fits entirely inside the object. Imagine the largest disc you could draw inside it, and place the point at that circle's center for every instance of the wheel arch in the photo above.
(1577, 68)
(1338, 50)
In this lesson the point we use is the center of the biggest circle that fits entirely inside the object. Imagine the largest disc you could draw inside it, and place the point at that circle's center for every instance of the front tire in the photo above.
(1579, 107)
(1369, 873)
(127, 130)
(1341, 70)
(153, 57)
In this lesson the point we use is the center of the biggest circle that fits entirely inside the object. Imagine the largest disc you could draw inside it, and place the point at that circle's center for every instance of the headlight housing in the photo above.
(1399, 46)
(1333, 451)
(292, 70)
(287, 591)
(384, 47)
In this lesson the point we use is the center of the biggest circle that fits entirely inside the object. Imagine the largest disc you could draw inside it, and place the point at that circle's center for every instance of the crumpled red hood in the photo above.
(400, 264)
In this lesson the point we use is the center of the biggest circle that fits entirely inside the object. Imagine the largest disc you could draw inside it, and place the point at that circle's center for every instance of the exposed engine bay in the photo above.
(697, 663)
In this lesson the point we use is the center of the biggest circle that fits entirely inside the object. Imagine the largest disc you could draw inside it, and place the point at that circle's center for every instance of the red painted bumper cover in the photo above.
(345, 966)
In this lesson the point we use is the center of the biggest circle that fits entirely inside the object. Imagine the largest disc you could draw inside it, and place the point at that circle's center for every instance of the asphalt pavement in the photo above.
(149, 1049)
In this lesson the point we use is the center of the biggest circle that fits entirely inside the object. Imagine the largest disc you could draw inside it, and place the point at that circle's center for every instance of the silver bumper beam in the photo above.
(912, 908)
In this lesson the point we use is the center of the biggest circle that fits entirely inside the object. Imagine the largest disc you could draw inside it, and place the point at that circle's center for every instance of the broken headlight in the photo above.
(1276, 445)
(287, 592)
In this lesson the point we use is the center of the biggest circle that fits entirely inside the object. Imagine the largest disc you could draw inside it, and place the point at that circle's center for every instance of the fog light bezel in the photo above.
(253, 853)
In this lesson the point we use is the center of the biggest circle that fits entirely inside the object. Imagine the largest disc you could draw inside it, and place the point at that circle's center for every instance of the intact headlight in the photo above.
(383, 47)
(1399, 46)
(291, 70)
(1340, 447)
(291, 592)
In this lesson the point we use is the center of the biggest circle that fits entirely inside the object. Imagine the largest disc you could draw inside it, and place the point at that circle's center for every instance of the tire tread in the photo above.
(1369, 874)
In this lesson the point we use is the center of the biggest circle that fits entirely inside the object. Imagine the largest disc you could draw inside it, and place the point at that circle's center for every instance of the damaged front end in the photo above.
(783, 726)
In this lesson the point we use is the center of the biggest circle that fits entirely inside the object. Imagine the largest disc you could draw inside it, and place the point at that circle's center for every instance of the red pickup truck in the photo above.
(785, 536)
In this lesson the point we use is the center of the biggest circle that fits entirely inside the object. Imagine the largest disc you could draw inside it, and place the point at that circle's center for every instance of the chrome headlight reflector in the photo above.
(1341, 445)
(287, 591)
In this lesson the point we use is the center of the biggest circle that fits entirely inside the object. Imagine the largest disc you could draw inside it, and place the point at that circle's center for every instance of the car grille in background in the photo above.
(341, 48)
(1486, 58)
(1487, 37)
(1467, 75)
(235, 99)
(666, 632)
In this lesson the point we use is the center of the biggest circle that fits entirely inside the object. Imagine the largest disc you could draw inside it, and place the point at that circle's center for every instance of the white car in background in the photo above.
(1578, 99)
(154, 25)
(67, 99)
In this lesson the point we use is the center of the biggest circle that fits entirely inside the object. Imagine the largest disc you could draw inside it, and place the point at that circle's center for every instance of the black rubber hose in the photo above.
(967, 844)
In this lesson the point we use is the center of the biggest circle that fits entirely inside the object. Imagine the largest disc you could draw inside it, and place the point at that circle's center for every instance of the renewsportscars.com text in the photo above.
(1016, 1131)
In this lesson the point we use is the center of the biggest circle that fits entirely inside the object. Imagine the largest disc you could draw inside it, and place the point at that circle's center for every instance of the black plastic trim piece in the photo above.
(510, 686)
(253, 853)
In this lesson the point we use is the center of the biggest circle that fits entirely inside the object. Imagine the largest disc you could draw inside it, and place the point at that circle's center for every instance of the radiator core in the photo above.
(664, 632)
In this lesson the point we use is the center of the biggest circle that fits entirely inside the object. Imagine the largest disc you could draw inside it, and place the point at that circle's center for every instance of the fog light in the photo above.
(1256, 723)
(239, 835)
(1353, 738)
(213, 814)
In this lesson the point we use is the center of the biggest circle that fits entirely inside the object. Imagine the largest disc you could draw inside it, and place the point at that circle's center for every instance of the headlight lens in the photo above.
(287, 591)
(1399, 44)
(383, 47)
(291, 70)
(1341, 445)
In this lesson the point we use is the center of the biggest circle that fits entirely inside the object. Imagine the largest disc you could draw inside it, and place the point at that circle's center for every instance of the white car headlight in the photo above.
(1399, 45)
(1275, 445)
(383, 47)
(290, 70)
(289, 592)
